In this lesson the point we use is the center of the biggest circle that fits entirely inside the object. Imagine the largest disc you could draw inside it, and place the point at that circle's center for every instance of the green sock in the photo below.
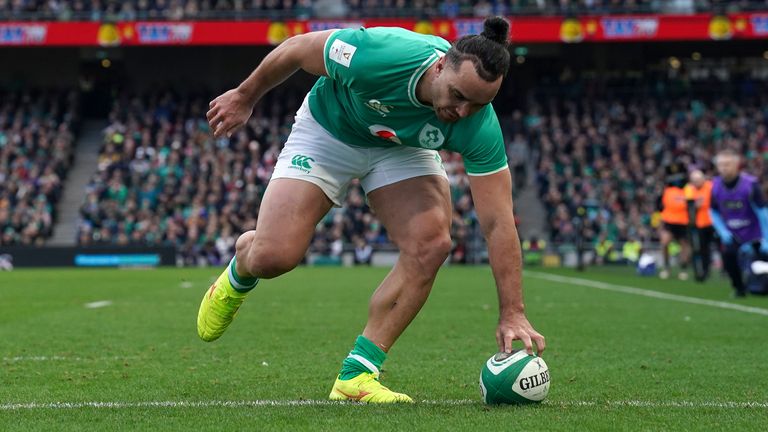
(240, 283)
(364, 357)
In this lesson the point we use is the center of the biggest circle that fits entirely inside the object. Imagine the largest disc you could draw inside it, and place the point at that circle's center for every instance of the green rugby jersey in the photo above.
(369, 98)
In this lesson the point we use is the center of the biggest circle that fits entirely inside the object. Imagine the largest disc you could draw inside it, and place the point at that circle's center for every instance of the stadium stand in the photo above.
(602, 160)
(36, 142)
(110, 10)
(162, 179)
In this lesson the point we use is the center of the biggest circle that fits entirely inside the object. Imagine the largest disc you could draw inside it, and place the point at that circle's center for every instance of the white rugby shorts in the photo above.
(312, 154)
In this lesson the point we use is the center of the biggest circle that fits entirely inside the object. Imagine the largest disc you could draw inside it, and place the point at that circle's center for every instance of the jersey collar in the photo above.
(417, 74)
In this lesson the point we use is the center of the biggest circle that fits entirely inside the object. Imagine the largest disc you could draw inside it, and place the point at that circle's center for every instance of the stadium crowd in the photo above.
(112, 10)
(36, 150)
(162, 179)
(601, 161)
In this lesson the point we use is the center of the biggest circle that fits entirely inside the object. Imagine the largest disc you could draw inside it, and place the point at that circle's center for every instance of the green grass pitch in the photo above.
(618, 360)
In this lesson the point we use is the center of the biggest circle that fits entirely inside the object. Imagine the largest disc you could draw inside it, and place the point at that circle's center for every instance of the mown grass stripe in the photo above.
(289, 403)
(647, 293)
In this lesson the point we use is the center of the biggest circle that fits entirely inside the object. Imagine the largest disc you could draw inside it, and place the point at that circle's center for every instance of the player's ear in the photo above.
(440, 65)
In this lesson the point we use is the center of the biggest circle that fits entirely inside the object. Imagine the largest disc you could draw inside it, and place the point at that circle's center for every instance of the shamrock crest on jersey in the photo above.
(431, 137)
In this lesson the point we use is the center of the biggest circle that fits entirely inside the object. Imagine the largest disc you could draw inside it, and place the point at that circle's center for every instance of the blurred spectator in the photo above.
(631, 250)
(329, 9)
(363, 251)
(675, 218)
(698, 191)
(517, 153)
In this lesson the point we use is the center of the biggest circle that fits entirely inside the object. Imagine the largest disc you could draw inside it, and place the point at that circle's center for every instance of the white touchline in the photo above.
(662, 404)
(291, 403)
(98, 304)
(646, 293)
(64, 358)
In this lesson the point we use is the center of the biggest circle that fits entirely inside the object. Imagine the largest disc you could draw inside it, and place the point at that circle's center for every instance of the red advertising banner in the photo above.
(619, 28)
(48, 34)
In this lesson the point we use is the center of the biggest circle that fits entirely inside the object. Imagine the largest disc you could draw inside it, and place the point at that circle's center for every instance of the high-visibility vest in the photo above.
(674, 206)
(703, 198)
(603, 247)
(631, 250)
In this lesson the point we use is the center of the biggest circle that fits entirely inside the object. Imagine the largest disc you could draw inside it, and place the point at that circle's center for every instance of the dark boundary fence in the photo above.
(67, 256)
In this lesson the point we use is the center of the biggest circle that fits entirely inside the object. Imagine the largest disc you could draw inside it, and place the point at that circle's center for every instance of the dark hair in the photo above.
(728, 151)
(487, 51)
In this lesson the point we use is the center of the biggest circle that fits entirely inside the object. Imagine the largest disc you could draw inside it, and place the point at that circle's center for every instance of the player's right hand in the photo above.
(228, 113)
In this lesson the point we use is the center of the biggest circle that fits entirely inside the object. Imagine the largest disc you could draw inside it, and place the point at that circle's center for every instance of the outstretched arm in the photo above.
(493, 202)
(720, 227)
(231, 110)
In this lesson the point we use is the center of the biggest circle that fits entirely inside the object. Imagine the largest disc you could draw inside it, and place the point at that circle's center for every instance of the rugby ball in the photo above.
(514, 378)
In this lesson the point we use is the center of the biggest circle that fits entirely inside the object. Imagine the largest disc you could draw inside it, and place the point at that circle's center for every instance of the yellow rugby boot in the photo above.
(218, 308)
(365, 388)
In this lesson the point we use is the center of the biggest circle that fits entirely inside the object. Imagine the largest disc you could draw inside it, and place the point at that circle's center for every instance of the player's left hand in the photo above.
(517, 327)
(228, 113)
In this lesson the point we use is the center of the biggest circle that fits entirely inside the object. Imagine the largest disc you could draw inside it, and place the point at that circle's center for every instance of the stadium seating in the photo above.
(162, 179)
(36, 150)
(602, 160)
(110, 10)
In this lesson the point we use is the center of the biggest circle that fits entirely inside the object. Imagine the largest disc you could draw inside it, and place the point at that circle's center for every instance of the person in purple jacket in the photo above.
(739, 214)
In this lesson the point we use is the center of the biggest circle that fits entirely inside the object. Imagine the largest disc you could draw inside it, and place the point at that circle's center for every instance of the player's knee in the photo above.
(266, 260)
(245, 240)
(429, 251)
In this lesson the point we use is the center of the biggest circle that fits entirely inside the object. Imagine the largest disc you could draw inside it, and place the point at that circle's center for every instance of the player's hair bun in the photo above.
(496, 29)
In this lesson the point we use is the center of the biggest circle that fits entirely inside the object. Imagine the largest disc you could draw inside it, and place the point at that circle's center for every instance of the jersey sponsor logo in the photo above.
(738, 223)
(733, 204)
(342, 52)
(431, 137)
(385, 132)
(379, 107)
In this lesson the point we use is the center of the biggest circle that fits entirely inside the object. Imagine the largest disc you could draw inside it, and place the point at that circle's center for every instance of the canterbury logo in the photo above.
(379, 107)
(302, 161)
